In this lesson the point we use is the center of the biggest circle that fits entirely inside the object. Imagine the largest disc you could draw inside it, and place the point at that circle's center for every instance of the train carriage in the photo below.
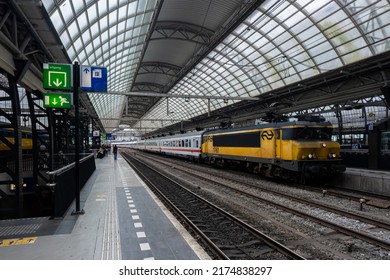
(152, 145)
(287, 149)
(184, 145)
(7, 138)
(293, 150)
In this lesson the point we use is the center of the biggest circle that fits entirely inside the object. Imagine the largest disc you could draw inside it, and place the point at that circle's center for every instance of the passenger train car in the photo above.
(182, 145)
(7, 134)
(294, 150)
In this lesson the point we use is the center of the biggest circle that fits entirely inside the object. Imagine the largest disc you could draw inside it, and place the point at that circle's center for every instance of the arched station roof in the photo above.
(208, 54)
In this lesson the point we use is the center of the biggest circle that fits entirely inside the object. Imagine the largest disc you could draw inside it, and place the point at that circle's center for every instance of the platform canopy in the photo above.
(212, 53)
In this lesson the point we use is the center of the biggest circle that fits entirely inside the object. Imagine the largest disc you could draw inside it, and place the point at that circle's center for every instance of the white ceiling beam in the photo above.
(164, 95)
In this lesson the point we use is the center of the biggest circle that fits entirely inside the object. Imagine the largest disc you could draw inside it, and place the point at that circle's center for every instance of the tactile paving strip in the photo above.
(19, 229)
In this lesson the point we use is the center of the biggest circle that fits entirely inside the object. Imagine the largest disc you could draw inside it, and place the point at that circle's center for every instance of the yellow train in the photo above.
(7, 134)
(294, 150)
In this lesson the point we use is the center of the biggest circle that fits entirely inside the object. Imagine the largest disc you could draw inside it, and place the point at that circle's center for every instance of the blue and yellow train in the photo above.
(293, 150)
(7, 134)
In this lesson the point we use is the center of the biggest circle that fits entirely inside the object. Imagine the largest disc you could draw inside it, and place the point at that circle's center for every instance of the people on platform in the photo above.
(115, 150)
(101, 152)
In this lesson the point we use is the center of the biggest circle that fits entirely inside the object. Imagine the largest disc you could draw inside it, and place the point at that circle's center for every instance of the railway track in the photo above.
(357, 196)
(251, 191)
(225, 236)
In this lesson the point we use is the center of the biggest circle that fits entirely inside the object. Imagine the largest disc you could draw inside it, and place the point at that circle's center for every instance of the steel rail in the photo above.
(268, 240)
(214, 248)
(344, 230)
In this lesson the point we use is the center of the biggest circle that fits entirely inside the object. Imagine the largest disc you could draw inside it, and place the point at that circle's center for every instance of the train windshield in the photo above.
(307, 133)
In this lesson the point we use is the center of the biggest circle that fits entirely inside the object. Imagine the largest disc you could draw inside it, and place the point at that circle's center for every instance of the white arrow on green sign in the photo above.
(57, 100)
(57, 76)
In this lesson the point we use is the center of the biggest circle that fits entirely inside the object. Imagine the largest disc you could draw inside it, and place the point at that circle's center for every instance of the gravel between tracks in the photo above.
(307, 238)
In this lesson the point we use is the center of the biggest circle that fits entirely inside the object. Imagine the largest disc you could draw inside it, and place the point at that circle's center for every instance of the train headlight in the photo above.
(332, 155)
(324, 145)
(310, 156)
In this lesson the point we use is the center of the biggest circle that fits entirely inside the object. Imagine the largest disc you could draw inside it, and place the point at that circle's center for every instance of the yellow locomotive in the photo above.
(295, 150)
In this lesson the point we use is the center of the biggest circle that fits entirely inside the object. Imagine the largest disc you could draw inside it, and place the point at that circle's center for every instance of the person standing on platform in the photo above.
(115, 150)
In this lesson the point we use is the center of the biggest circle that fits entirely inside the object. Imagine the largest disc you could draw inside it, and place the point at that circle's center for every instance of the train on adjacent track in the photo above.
(7, 138)
(296, 150)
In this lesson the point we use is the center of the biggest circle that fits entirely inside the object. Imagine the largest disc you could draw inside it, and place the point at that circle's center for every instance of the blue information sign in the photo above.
(93, 78)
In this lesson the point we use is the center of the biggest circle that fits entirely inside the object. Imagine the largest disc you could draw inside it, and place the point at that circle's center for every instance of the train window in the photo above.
(385, 141)
(247, 139)
(8, 133)
(182, 143)
(189, 143)
(307, 133)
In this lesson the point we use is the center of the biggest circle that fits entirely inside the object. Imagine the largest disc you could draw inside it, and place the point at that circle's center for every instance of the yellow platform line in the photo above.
(17, 241)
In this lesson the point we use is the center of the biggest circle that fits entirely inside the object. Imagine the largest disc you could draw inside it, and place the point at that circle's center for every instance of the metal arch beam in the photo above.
(181, 31)
(129, 119)
(173, 30)
(137, 110)
(154, 87)
(360, 80)
(137, 103)
(159, 68)
(236, 19)
(14, 148)
(163, 95)
(31, 30)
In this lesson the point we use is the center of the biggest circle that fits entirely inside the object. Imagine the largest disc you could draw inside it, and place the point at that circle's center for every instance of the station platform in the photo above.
(122, 221)
(372, 181)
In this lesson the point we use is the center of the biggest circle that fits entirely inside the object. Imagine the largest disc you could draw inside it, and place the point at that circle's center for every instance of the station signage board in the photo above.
(57, 76)
(96, 133)
(93, 78)
(57, 100)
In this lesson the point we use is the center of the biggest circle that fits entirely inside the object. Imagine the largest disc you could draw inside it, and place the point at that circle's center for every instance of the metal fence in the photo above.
(62, 183)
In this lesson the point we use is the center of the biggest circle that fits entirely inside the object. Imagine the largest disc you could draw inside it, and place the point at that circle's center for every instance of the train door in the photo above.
(278, 146)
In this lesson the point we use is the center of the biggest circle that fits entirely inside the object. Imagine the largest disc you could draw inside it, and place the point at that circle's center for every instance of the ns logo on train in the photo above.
(267, 134)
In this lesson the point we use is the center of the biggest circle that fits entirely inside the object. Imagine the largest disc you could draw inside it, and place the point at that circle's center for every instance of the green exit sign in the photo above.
(57, 100)
(57, 76)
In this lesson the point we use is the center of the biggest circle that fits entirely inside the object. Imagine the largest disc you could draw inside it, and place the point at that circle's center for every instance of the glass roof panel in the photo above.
(280, 43)
(106, 21)
(67, 12)
(78, 6)
(82, 20)
(283, 42)
(102, 8)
